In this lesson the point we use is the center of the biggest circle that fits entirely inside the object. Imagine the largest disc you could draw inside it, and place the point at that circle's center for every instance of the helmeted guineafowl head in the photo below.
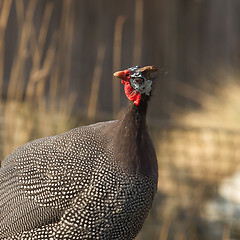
(137, 82)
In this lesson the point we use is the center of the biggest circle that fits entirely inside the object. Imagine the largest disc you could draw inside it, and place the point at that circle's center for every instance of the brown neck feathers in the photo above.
(134, 147)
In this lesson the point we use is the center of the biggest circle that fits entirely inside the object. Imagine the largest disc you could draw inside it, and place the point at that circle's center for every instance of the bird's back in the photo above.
(71, 186)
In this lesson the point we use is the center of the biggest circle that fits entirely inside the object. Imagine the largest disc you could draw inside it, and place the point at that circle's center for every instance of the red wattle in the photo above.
(132, 94)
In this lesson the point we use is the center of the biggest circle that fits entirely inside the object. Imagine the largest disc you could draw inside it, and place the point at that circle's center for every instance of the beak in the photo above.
(119, 74)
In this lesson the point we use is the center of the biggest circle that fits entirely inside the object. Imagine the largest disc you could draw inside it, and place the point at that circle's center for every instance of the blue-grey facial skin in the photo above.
(139, 82)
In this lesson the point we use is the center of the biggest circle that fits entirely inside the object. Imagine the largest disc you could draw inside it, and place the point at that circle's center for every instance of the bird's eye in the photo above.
(127, 74)
(138, 80)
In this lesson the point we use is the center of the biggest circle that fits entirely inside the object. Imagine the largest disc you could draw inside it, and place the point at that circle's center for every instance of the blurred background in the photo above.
(56, 63)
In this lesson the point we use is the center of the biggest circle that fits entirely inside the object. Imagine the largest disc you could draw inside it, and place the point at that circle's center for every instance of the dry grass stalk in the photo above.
(68, 26)
(137, 51)
(17, 76)
(117, 48)
(37, 51)
(64, 50)
(40, 77)
(20, 14)
(92, 106)
(4, 15)
(165, 229)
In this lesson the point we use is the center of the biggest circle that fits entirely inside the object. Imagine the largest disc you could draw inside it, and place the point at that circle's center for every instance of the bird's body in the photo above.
(93, 182)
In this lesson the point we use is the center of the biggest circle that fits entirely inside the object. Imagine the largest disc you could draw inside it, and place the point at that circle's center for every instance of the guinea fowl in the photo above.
(93, 182)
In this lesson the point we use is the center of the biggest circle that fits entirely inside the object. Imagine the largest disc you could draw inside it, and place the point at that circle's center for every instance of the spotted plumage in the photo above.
(93, 182)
